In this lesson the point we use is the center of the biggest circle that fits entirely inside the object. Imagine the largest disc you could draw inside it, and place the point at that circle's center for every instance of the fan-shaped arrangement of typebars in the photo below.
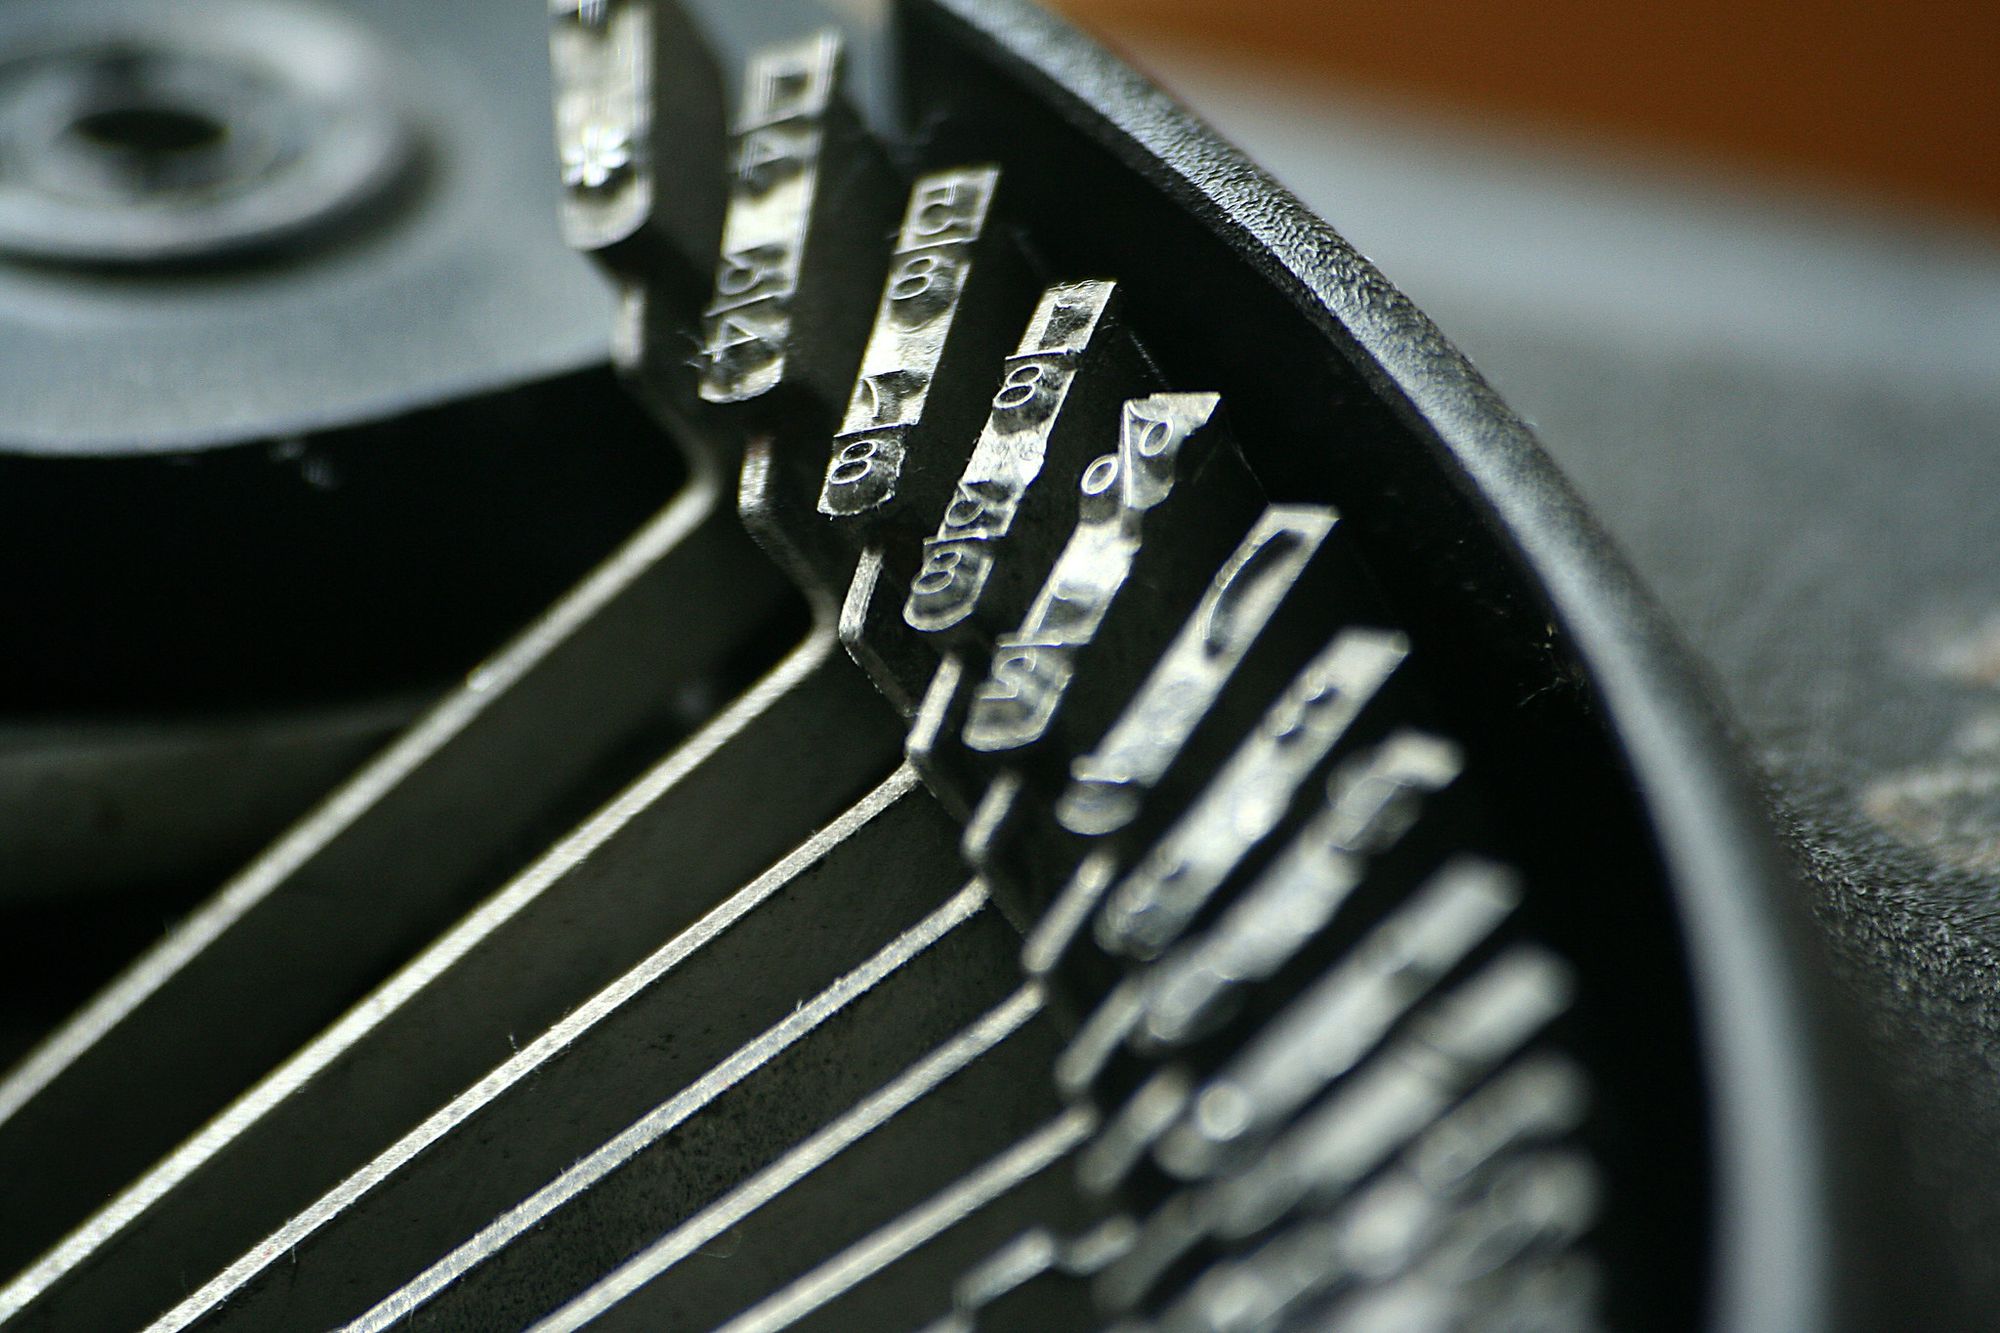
(1116, 910)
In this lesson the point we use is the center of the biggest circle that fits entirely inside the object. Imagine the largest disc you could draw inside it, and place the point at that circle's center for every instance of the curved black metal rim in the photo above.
(1793, 1161)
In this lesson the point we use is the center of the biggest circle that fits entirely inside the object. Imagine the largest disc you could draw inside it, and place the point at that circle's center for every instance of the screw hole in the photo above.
(152, 131)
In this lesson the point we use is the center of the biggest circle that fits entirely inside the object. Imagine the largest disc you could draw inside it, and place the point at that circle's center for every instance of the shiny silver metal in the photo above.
(1103, 613)
(887, 1154)
(804, 738)
(639, 111)
(881, 1279)
(276, 955)
(1212, 661)
(936, 259)
(820, 913)
(1249, 799)
(1072, 345)
(883, 1021)
(811, 208)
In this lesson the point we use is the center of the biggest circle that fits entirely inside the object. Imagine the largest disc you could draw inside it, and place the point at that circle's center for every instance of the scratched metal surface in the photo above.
(1786, 409)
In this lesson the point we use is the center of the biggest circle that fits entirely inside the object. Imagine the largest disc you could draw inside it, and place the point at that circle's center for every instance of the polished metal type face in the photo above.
(928, 277)
(1032, 415)
(1249, 798)
(638, 108)
(811, 213)
(1371, 803)
(1070, 363)
(747, 327)
(1161, 438)
(605, 80)
(951, 286)
(1111, 780)
(1230, 948)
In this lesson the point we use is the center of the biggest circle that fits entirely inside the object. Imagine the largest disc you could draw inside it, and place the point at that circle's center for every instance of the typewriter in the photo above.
(1004, 737)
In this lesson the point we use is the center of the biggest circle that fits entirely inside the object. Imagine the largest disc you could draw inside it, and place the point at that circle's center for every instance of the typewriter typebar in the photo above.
(1212, 838)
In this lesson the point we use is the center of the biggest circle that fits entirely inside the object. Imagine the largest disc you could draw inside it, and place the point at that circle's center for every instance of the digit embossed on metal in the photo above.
(1313, 892)
(1034, 426)
(748, 324)
(921, 303)
(1100, 612)
(811, 200)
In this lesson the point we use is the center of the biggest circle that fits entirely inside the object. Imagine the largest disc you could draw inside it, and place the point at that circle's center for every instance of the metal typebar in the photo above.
(1399, 1094)
(1247, 802)
(1354, 860)
(556, 721)
(1112, 598)
(1106, 608)
(1056, 406)
(820, 912)
(1331, 1028)
(779, 763)
(639, 106)
(1467, 1031)
(776, 765)
(1254, 796)
(735, 1049)
(803, 702)
(1040, 1280)
(970, 1097)
(1058, 403)
(805, 241)
(907, 1267)
(417, 836)
(1231, 656)
(772, 1094)
(954, 288)
(956, 285)
(1409, 1206)
(1354, 848)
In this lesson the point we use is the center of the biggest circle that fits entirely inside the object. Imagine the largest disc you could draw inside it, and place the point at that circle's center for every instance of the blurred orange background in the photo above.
(1900, 103)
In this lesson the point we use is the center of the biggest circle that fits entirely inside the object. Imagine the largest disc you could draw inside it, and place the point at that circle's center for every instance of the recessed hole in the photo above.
(152, 130)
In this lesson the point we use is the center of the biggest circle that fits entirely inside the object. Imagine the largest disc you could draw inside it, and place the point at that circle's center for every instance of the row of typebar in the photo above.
(1230, 1026)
